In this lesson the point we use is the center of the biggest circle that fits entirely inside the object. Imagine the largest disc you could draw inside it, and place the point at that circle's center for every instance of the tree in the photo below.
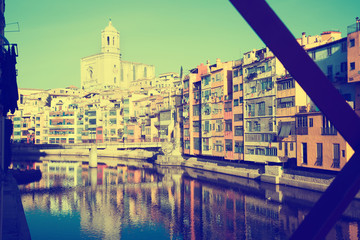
(48, 101)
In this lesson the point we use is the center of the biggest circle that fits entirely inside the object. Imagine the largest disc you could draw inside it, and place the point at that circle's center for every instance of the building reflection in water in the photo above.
(185, 203)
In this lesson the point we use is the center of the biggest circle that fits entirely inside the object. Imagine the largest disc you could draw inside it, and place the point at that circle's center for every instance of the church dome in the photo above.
(110, 28)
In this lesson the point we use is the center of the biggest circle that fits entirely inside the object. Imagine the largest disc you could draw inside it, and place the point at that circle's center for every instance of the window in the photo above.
(343, 47)
(236, 87)
(240, 86)
(241, 99)
(336, 162)
(287, 84)
(239, 147)
(92, 121)
(205, 144)
(239, 130)
(319, 154)
(236, 73)
(228, 125)
(228, 145)
(257, 127)
(271, 126)
(197, 95)
(266, 84)
(186, 84)
(329, 51)
(311, 122)
(352, 43)
(291, 146)
(205, 80)
(313, 55)
(186, 132)
(352, 66)
(304, 153)
(187, 144)
(343, 67)
(206, 109)
(249, 126)
(286, 102)
(280, 145)
(251, 110)
(228, 106)
(238, 117)
(196, 125)
(302, 121)
(196, 110)
(236, 102)
(270, 109)
(197, 144)
(261, 109)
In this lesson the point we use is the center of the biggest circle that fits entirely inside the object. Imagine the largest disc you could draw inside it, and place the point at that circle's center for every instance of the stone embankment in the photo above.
(265, 173)
(110, 152)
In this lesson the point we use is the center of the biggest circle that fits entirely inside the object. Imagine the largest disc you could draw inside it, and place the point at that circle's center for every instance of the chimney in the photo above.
(208, 66)
(218, 62)
(303, 38)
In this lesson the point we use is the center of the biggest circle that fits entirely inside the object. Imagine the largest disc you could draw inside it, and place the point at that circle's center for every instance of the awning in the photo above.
(285, 129)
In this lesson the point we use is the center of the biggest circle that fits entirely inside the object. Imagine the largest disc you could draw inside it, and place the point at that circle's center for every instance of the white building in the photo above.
(106, 70)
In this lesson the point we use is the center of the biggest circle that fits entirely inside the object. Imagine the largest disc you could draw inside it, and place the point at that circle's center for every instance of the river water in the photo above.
(133, 200)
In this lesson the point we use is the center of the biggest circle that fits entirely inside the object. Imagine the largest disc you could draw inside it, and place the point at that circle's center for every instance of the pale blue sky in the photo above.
(54, 35)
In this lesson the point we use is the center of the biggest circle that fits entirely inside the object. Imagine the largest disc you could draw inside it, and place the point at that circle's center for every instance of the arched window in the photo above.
(108, 40)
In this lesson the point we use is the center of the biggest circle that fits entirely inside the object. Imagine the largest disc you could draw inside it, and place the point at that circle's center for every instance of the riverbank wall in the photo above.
(109, 152)
(265, 173)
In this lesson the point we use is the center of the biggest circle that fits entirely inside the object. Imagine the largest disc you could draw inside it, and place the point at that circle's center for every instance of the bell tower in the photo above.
(110, 40)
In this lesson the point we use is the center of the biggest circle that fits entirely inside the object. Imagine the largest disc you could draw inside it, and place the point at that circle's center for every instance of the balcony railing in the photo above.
(301, 131)
(328, 131)
(353, 28)
(336, 163)
(319, 162)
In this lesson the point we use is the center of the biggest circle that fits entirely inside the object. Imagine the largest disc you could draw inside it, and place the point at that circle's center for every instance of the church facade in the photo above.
(106, 70)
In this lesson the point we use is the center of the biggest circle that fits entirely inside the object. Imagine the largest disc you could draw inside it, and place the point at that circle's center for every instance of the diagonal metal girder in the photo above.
(278, 38)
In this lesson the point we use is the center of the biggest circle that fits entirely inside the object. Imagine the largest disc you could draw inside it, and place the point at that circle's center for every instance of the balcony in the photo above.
(251, 76)
(328, 131)
(353, 28)
(336, 163)
(301, 131)
(319, 162)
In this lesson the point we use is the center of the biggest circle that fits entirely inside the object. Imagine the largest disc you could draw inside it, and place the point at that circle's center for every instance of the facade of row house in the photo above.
(261, 69)
(208, 111)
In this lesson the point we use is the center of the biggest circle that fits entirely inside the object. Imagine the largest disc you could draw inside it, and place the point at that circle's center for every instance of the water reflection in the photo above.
(74, 201)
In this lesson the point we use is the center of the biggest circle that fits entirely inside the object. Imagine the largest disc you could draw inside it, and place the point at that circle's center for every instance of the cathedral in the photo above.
(106, 70)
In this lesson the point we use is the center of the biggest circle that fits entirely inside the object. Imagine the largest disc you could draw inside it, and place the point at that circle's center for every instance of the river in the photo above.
(132, 200)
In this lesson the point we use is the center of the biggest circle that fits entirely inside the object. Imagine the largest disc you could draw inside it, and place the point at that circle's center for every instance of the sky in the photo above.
(55, 35)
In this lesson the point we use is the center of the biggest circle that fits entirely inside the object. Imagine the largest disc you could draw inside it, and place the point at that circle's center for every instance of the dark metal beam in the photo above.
(278, 38)
(281, 42)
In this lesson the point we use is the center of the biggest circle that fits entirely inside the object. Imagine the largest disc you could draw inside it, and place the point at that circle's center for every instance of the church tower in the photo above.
(110, 40)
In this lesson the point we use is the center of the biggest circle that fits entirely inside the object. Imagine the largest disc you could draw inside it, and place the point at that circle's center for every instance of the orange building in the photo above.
(319, 145)
(238, 110)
